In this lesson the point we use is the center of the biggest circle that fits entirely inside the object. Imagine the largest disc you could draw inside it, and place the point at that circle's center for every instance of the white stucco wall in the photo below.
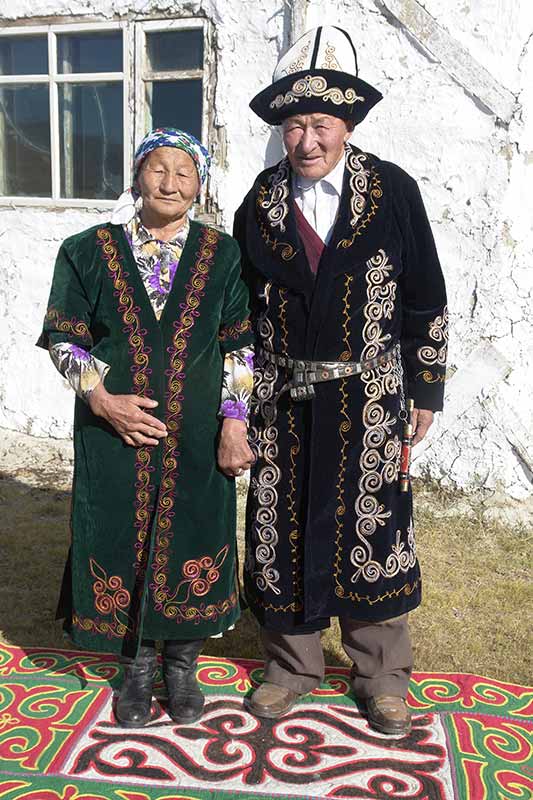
(445, 83)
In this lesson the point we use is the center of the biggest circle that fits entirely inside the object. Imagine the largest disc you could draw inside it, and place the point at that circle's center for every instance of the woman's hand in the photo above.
(125, 414)
(422, 421)
(234, 453)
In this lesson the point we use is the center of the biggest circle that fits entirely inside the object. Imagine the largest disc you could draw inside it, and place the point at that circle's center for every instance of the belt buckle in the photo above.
(301, 389)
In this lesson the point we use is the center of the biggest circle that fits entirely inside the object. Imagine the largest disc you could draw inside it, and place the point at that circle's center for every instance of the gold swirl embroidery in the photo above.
(96, 626)
(110, 595)
(428, 377)
(406, 589)
(344, 427)
(294, 535)
(165, 600)
(128, 309)
(283, 318)
(298, 64)
(199, 576)
(330, 62)
(110, 598)
(288, 252)
(235, 330)
(65, 325)
(347, 352)
(316, 86)
(438, 332)
(363, 183)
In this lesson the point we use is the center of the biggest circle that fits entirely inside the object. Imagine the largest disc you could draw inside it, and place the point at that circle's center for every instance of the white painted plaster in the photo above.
(475, 176)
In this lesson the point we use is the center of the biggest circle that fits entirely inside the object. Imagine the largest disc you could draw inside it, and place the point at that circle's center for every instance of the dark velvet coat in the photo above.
(328, 532)
(153, 528)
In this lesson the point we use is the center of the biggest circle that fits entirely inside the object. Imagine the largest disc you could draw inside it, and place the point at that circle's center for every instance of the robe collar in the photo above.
(362, 224)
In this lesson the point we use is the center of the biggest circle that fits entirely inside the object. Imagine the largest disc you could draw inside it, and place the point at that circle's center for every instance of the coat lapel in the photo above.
(132, 275)
(363, 220)
(272, 235)
(182, 276)
(362, 226)
(134, 278)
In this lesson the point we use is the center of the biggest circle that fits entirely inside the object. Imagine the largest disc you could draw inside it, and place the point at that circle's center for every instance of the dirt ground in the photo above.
(477, 614)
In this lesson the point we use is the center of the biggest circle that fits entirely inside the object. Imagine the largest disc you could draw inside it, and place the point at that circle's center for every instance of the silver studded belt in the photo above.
(303, 374)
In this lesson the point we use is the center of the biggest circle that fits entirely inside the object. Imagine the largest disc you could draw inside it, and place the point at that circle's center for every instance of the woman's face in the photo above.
(168, 182)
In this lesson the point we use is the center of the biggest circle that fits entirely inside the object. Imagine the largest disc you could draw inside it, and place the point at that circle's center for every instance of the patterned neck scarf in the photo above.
(157, 261)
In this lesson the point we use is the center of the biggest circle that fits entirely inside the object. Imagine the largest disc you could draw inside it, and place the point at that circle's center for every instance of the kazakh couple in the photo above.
(292, 349)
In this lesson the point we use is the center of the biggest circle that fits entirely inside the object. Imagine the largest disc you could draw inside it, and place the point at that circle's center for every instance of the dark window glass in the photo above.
(25, 169)
(91, 133)
(175, 50)
(89, 52)
(23, 55)
(178, 104)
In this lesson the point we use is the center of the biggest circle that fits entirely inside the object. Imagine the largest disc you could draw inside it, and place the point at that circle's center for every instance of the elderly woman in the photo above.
(148, 321)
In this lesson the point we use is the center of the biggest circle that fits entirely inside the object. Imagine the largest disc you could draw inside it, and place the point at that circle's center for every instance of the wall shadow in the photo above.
(274, 151)
(35, 540)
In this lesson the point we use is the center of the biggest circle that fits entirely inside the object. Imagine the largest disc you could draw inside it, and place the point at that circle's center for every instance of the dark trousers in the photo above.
(380, 652)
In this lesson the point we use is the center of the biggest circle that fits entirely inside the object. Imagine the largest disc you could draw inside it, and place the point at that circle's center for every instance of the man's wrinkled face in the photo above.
(315, 143)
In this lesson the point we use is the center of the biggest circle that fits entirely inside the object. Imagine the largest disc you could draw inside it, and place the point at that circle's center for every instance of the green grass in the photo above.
(476, 616)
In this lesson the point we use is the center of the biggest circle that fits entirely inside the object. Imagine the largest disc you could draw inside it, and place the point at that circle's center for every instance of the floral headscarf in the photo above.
(172, 137)
(124, 209)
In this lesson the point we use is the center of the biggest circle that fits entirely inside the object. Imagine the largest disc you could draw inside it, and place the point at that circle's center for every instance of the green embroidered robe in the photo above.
(153, 528)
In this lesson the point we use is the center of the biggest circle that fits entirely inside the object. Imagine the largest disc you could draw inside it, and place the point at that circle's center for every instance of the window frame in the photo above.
(134, 77)
(143, 76)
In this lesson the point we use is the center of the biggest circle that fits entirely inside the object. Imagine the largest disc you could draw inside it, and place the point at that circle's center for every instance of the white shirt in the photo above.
(319, 200)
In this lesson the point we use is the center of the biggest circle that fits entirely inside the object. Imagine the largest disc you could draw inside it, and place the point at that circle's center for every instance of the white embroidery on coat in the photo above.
(365, 193)
(274, 199)
(359, 177)
(438, 331)
(381, 449)
(264, 444)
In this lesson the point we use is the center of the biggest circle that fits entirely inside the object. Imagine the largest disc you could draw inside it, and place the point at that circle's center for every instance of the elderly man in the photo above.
(349, 307)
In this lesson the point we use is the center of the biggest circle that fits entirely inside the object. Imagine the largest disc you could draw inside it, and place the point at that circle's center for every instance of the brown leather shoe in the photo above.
(272, 701)
(389, 714)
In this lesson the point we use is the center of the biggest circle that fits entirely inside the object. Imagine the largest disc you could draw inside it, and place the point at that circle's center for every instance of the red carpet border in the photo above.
(471, 739)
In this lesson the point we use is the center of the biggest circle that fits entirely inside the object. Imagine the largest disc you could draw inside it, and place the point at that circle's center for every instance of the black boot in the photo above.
(185, 699)
(135, 698)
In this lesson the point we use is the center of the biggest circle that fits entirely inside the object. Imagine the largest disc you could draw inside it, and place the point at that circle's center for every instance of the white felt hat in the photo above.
(318, 73)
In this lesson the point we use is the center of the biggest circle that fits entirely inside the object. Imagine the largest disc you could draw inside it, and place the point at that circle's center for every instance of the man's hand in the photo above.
(125, 413)
(422, 421)
(234, 454)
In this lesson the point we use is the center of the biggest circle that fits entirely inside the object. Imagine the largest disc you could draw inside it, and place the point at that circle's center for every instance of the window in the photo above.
(73, 103)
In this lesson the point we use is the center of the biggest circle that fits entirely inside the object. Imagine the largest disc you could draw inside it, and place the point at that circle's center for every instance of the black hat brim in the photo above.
(282, 100)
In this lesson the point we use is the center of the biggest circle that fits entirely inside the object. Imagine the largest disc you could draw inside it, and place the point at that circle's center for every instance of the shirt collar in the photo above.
(142, 235)
(333, 179)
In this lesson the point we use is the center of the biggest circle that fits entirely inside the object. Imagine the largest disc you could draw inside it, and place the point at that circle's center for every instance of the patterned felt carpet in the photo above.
(471, 739)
